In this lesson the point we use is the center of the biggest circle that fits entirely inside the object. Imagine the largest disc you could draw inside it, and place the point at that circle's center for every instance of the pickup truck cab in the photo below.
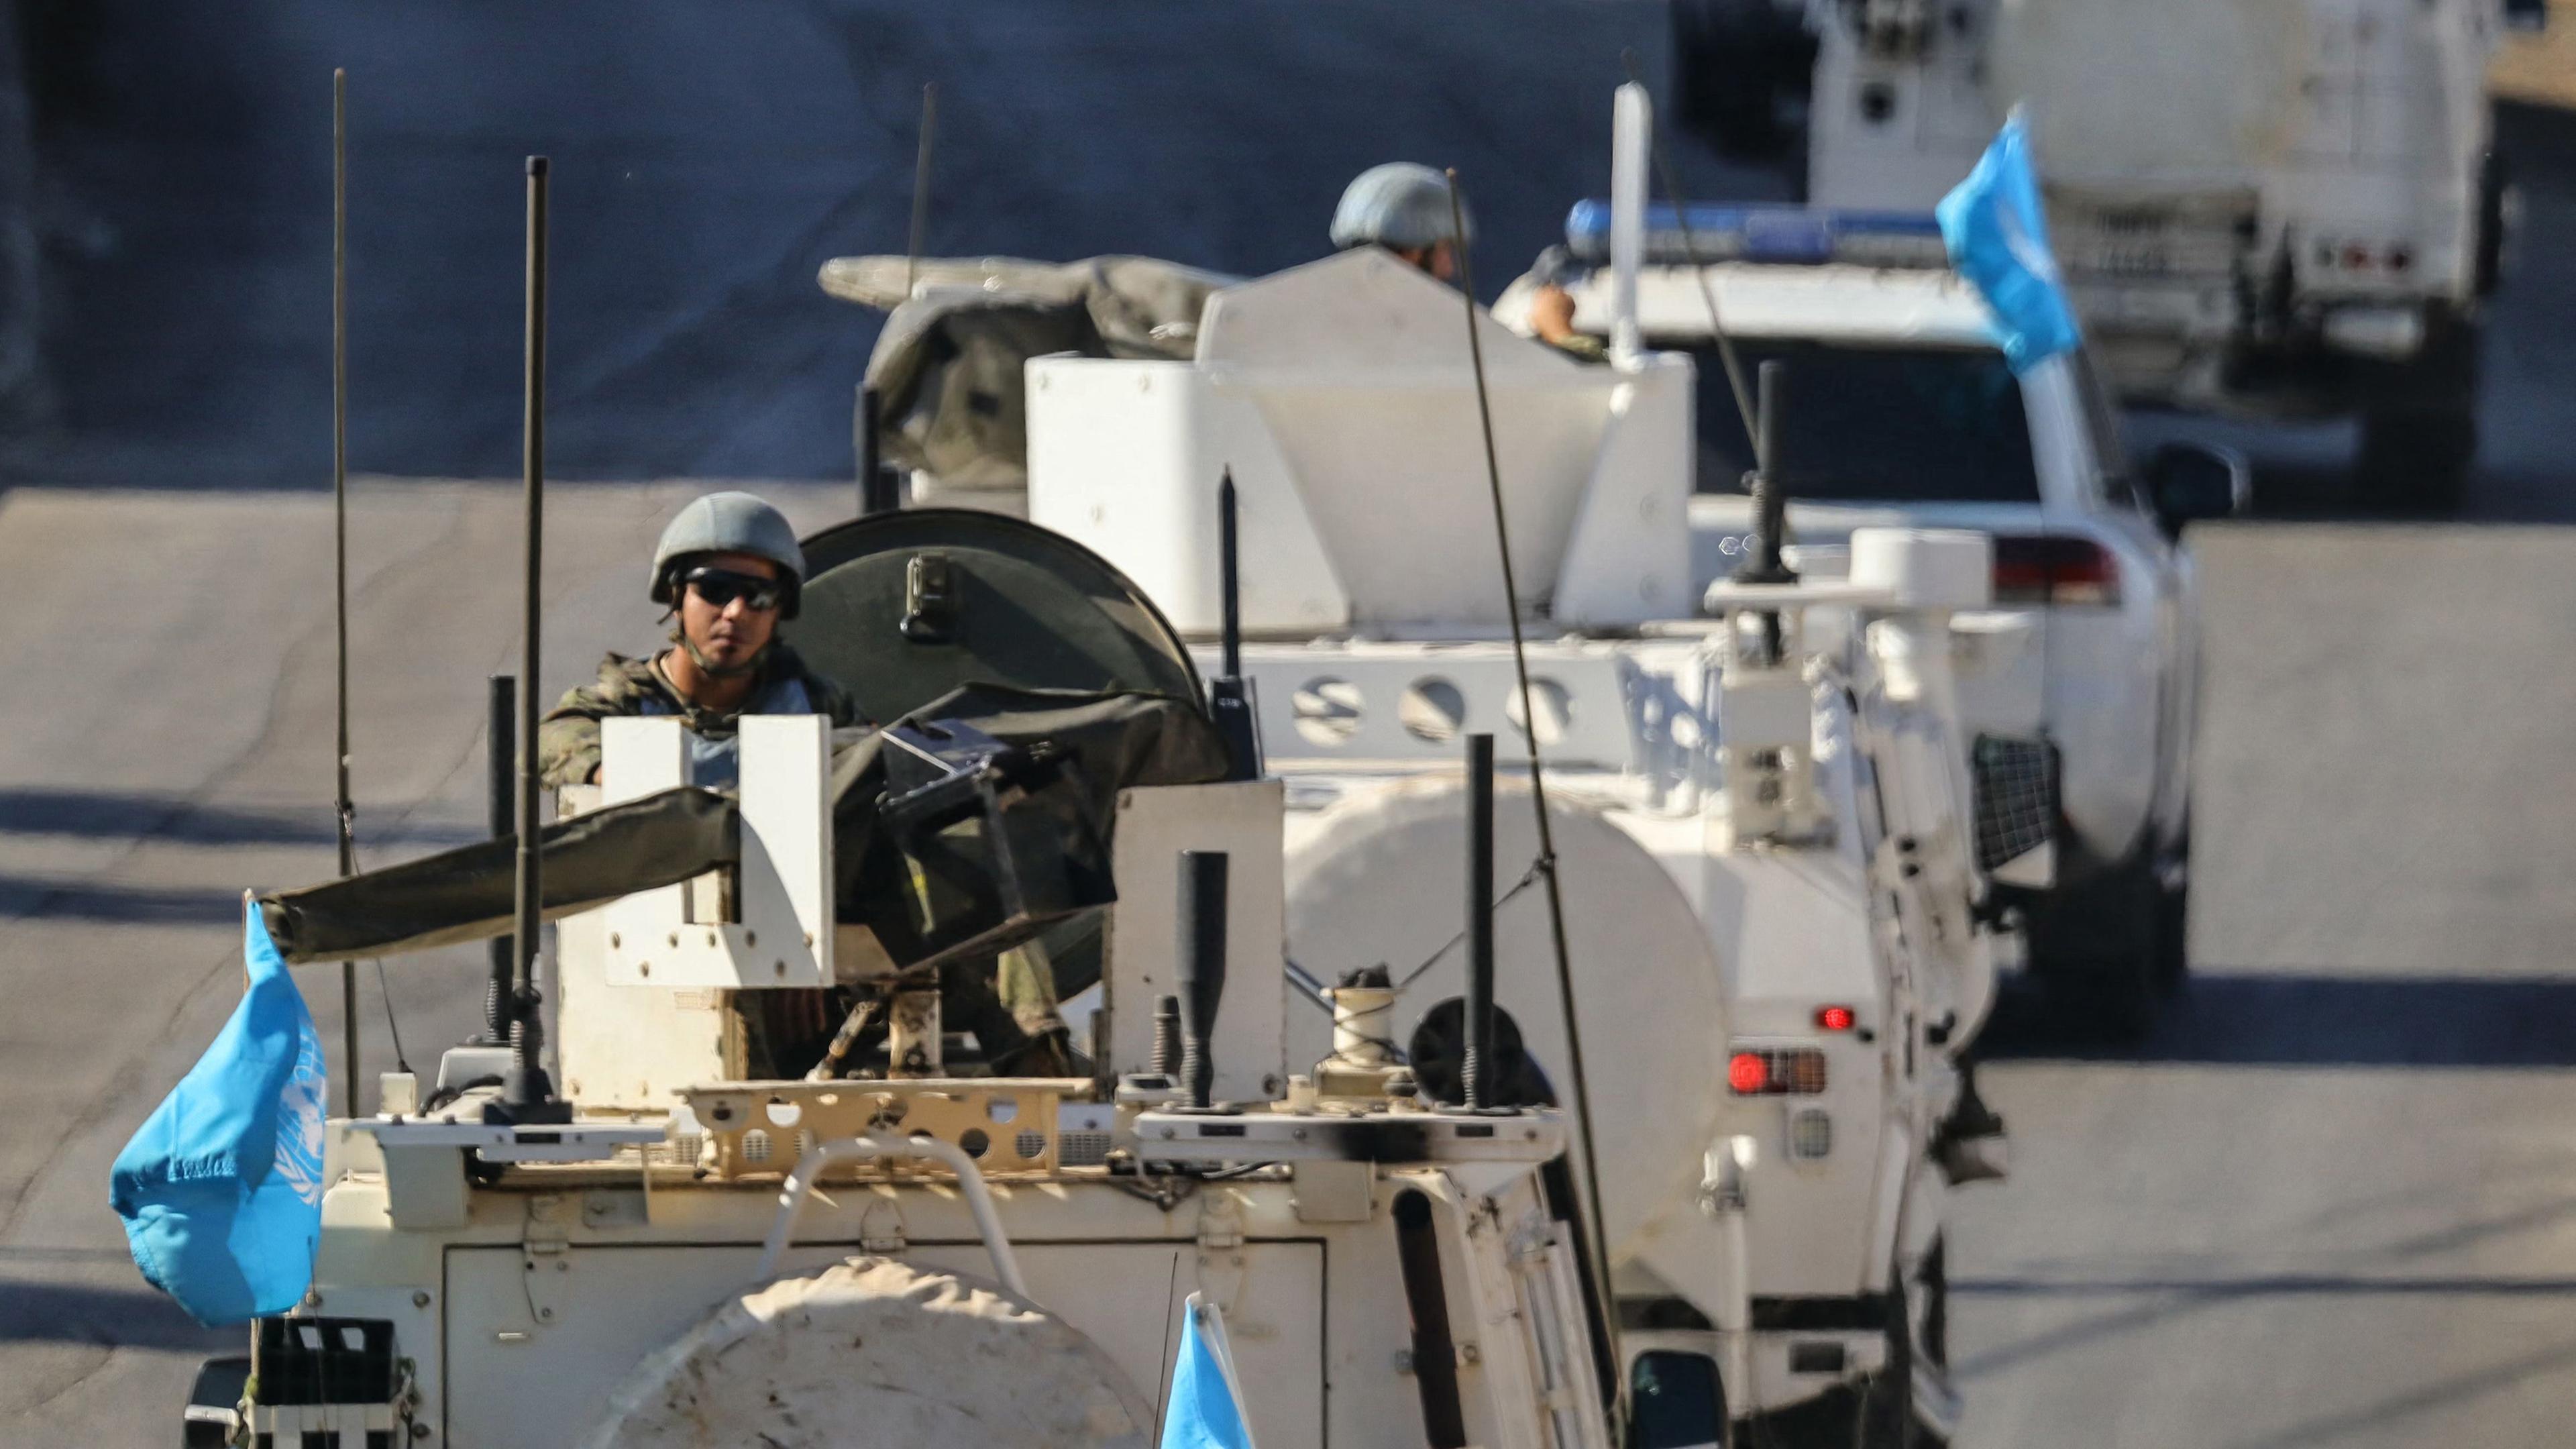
(1898, 409)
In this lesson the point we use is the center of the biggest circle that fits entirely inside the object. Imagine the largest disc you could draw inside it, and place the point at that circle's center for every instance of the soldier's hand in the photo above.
(1551, 313)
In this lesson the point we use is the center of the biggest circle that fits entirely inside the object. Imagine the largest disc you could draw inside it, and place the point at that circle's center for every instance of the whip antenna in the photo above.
(343, 808)
(1726, 354)
(1599, 1242)
(921, 184)
(526, 1094)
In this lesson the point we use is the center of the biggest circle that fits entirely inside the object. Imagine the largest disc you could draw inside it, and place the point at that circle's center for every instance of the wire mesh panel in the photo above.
(2016, 789)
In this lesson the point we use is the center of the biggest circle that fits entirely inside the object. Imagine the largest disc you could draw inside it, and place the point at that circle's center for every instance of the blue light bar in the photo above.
(1792, 235)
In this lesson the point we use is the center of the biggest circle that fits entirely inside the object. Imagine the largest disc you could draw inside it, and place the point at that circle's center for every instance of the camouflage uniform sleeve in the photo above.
(568, 737)
(1583, 348)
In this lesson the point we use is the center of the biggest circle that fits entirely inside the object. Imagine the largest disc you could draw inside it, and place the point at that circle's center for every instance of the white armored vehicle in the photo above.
(1907, 415)
(2283, 208)
(741, 1226)
(1758, 823)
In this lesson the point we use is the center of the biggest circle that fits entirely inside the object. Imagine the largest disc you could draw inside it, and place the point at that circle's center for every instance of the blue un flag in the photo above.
(1997, 236)
(221, 1188)
(1206, 1409)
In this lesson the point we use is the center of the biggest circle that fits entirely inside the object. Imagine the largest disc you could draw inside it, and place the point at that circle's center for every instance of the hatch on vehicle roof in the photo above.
(903, 607)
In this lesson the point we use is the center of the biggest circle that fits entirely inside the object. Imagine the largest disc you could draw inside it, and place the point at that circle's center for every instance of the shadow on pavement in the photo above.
(2276, 1285)
(40, 811)
(29, 897)
(117, 814)
(2320, 1021)
(134, 1317)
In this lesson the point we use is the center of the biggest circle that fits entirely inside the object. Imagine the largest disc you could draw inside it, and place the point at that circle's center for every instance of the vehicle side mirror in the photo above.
(2190, 481)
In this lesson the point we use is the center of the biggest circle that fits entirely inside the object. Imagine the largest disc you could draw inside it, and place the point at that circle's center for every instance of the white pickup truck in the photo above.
(2275, 208)
(1899, 410)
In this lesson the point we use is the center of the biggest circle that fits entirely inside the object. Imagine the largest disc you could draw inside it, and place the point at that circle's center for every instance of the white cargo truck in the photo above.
(2269, 208)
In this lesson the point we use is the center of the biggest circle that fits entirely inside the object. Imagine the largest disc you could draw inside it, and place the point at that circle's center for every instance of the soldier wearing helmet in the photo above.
(729, 569)
(1405, 207)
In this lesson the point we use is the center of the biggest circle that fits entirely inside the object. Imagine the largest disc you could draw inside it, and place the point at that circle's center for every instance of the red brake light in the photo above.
(1834, 1018)
(2055, 570)
(1747, 1074)
(1777, 1072)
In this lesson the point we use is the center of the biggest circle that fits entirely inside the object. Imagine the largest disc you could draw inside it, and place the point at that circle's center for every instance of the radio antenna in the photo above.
(921, 185)
(341, 805)
(526, 1093)
(1598, 1239)
(1663, 164)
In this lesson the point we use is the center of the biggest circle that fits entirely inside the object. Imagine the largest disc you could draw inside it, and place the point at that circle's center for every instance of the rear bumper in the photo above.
(2188, 345)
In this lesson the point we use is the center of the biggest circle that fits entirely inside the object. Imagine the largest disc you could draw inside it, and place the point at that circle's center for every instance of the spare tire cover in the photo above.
(1031, 609)
(1380, 876)
(873, 1352)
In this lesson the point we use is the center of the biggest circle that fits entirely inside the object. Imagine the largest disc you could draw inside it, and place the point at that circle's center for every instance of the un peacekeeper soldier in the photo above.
(729, 568)
(1404, 207)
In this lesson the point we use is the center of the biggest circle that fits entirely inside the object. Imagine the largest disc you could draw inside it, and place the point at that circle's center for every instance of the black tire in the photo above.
(2495, 184)
(2173, 943)
(2415, 460)
(2419, 428)
(2098, 952)
(1887, 1418)
(1740, 67)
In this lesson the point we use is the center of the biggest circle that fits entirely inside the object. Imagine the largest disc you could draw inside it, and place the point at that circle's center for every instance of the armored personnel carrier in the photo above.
(782, 1201)
(1770, 880)
(1759, 830)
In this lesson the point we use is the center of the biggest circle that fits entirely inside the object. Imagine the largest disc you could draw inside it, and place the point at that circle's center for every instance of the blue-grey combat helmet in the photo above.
(731, 522)
(1401, 204)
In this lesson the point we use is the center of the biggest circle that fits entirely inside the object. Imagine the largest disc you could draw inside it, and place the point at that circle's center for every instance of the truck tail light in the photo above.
(1836, 1018)
(2055, 570)
(1776, 1072)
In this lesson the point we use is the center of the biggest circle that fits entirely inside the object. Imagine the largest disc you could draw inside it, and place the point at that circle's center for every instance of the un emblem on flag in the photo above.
(300, 1118)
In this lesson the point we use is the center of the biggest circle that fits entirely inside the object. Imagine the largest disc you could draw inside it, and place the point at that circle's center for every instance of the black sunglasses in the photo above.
(722, 586)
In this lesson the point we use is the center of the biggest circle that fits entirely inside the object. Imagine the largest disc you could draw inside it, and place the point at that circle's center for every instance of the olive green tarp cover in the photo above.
(950, 365)
(1116, 741)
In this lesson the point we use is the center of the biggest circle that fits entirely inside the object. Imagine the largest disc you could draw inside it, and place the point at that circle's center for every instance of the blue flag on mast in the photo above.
(1996, 232)
(221, 1188)
(1206, 1408)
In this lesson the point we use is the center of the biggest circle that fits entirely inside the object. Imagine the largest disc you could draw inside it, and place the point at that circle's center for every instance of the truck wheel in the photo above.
(1887, 1406)
(1739, 69)
(2419, 426)
(2100, 954)
(2173, 946)
(2415, 460)
(1934, 1277)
